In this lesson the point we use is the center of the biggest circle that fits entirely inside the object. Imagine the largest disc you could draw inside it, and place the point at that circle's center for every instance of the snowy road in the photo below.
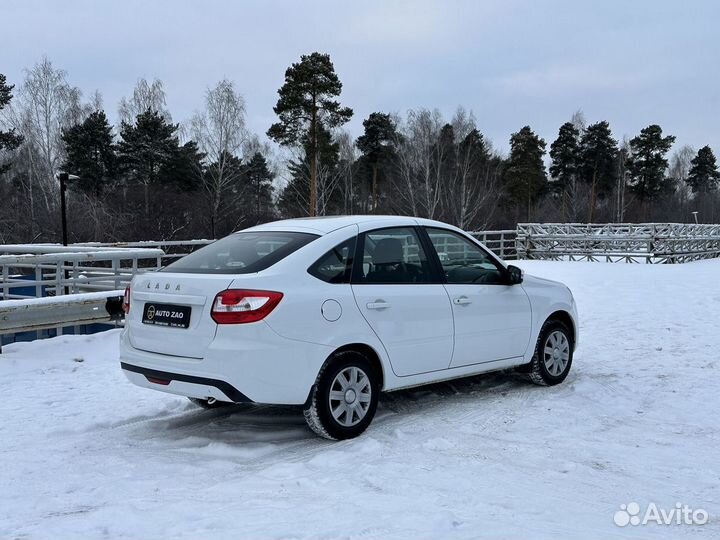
(87, 455)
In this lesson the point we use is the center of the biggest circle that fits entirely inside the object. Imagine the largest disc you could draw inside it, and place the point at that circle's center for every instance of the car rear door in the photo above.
(400, 295)
(492, 318)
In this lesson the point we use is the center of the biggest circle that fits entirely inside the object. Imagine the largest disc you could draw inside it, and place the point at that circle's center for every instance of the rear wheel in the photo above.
(552, 360)
(344, 398)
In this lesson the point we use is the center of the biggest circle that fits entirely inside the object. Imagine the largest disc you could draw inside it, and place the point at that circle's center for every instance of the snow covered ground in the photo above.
(84, 454)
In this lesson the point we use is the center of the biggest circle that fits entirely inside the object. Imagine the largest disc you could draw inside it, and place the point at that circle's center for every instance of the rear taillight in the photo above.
(236, 306)
(126, 301)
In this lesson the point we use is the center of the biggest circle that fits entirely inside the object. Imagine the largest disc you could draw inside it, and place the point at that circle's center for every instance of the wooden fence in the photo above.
(654, 243)
(502, 243)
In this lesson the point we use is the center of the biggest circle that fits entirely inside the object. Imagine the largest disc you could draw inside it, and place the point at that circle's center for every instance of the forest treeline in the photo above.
(149, 177)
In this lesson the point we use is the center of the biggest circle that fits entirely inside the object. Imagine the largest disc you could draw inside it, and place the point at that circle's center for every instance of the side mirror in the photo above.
(515, 275)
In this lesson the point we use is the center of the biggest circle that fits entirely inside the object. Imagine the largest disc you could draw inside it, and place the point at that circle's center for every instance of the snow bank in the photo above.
(87, 455)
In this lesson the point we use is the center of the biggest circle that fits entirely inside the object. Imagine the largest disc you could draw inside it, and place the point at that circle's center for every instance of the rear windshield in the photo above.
(241, 253)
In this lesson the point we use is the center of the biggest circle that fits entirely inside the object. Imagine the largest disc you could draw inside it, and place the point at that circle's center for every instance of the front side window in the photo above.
(336, 265)
(464, 261)
(394, 256)
(241, 253)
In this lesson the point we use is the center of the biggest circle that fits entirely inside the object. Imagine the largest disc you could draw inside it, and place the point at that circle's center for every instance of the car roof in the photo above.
(326, 224)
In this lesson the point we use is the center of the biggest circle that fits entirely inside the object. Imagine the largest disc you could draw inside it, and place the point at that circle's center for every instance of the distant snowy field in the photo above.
(84, 454)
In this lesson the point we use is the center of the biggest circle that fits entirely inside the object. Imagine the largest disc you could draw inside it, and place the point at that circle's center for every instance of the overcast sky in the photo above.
(512, 62)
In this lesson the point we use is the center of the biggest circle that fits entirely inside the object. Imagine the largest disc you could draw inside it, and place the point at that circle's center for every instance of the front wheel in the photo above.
(553, 356)
(344, 398)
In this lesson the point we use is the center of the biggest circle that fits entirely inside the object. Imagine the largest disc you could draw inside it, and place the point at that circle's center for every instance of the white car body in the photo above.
(417, 333)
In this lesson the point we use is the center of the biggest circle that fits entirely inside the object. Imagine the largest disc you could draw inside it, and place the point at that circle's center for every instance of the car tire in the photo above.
(205, 404)
(552, 359)
(344, 397)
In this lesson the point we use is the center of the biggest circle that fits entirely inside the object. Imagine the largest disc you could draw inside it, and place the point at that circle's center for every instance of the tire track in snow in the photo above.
(484, 402)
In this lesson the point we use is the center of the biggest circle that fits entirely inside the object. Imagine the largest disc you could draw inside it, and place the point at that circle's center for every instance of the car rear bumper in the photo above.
(265, 369)
(186, 385)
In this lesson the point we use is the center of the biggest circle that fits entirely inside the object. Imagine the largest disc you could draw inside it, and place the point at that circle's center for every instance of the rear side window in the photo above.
(241, 253)
(336, 265)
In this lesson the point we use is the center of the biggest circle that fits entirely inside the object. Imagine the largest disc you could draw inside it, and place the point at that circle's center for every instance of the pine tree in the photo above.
(307, 105)
(597, 167)
(90, 153)
(704, 179)
(647, 164)
(145, 149)
(376, 144)
(259, 179)
(704, 176)
(9, 140)
(525, 179)
(565, 155)
(447, 153)
(296, 194)
(184, 168)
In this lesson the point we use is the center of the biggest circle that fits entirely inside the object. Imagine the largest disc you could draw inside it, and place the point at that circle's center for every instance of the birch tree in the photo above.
(220, 133)
(145, 97)
(473, 184)
(348, 156)
(45, 108)
(418, 178)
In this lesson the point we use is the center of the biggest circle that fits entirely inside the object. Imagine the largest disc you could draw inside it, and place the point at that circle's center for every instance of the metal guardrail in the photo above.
(51, 312)
(172, 249)
(49, 286)
(58, 312)
(28, 271)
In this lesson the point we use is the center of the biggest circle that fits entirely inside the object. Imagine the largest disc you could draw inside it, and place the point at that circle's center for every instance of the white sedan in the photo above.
(329, 312)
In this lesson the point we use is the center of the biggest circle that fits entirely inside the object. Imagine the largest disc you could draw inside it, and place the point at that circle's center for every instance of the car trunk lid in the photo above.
(156, 298)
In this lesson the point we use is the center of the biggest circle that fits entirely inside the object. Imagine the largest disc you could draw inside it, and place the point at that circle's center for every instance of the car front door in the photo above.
(492, 318)
(402, 298)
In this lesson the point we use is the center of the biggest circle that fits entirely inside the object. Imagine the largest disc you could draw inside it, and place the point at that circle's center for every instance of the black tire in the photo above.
(537, 370)
(207, 405)
(318, 414)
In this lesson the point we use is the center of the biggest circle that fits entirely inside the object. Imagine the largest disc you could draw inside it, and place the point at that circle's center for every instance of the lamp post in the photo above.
(695, 215)
(64, 178)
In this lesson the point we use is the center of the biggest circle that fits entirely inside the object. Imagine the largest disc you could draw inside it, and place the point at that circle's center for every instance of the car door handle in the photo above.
(462, 301)
(379, 304)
